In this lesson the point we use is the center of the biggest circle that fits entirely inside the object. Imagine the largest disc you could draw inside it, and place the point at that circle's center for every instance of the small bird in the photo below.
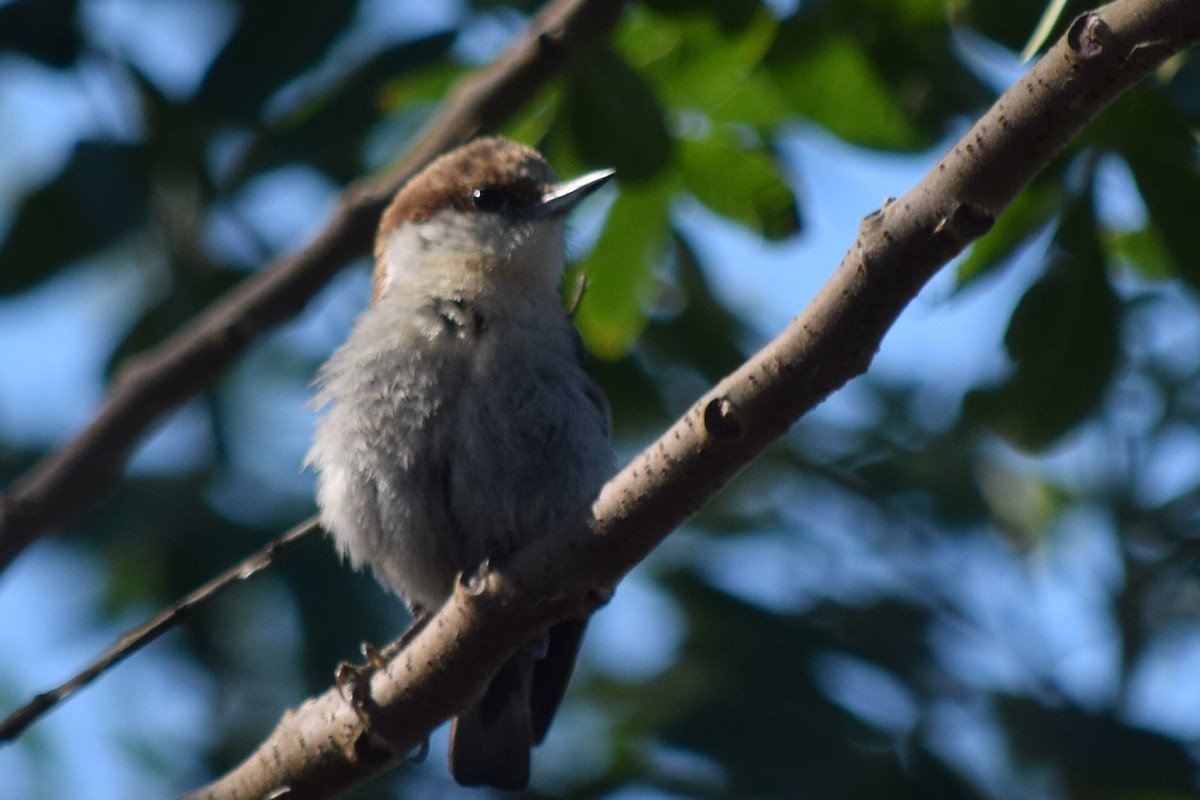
(461, 422)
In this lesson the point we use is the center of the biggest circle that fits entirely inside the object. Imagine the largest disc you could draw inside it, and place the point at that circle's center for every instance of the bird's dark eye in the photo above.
(490, 199)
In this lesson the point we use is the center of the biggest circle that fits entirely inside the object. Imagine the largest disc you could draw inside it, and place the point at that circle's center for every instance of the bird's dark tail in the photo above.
(490, 743)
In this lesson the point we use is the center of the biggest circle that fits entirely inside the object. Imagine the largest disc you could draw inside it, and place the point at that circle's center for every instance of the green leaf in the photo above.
(1160, 149)
(1063, 338)
(741, 182)
(534, 122)
(699, 67)
(614, 118)
(619, 270)
(431, 82)
(1022, 220)
(830, 80)
(99, 195)
(1144, 251)
(880, 74)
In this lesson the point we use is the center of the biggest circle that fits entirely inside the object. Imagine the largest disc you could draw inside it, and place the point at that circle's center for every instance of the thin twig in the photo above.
(155, 627)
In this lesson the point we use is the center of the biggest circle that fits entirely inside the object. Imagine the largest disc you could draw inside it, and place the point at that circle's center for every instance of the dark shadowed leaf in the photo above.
(632, 394)
(743, 694)
(328, 131)
(703, 334)
(45, 29)
(740, 181)
(891, 633)
(1161, 152)
(274, 42)
(99, 195)
(942, 464)
(1096, 754)
(1021, 221)
(1062, 338)
(614, 118)
(1184, 89)
(731, 14)
(1012, 23)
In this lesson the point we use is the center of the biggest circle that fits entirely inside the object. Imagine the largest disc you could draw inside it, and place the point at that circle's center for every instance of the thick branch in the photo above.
(167, 376)
(323, 747)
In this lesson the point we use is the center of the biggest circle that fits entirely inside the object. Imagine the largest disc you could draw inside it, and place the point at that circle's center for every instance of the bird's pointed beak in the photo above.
(564, 196)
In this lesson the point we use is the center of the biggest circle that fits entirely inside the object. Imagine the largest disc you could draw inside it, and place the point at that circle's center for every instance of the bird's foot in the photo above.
(353, 682)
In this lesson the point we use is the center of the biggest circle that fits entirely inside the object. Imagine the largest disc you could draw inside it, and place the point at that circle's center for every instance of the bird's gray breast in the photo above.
(530, 443)
(456, 433)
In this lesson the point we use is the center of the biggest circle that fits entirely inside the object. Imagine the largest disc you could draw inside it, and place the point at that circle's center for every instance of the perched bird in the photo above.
(460, 422)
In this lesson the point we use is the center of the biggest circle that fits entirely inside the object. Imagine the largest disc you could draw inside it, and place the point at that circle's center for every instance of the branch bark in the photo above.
(162, 379)
(326, 745)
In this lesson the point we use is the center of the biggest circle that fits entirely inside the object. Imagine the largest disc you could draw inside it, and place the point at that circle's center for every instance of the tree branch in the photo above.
(162, 379)
(324, 746)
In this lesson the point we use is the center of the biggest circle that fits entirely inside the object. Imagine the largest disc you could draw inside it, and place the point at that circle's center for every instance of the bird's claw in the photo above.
(353, 682)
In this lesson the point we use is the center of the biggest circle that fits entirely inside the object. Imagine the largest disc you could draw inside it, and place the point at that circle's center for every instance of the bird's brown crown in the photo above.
(450, 181)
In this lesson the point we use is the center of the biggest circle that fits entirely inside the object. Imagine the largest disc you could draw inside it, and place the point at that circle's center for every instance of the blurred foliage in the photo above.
(1062, 338)
(873, 609)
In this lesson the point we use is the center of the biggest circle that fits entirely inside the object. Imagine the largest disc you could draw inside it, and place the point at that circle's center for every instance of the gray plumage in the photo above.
(460, 421)
(454, 432)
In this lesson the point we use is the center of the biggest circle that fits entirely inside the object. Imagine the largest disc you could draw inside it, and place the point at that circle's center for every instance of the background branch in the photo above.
(322, 747)
(160, 380)
(178, 613)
